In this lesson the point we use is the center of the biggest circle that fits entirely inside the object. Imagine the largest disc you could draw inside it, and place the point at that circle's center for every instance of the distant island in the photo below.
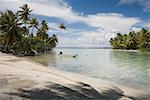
(132, 40)
(22, 35)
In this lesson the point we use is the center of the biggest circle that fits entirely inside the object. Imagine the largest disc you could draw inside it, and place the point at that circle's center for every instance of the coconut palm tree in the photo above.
(132, 40)
(44, 26)
(24, 13)
(42, 32)
(34, 24)
(9, 28)
(13, 32)
(53, 41)
(144, 39)
(62, 26)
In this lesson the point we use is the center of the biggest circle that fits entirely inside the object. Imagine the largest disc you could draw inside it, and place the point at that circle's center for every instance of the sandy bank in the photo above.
(23, 79)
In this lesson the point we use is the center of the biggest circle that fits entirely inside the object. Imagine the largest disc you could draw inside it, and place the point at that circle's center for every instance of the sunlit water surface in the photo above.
(129, 68)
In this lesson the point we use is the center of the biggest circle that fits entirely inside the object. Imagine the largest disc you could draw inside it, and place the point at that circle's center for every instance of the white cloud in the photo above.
(111, 21)
(147, 25)
(144, 3)
(51, 8)
(60, 9)
(106, 23)
(144, 24)
(136, 29)
(54, 9)
(86, 39)
(53, 26)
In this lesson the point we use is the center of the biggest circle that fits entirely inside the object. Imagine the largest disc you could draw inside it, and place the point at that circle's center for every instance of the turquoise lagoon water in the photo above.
(129, 68)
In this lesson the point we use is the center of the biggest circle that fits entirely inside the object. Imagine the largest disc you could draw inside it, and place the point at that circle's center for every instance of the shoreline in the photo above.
(21, 78)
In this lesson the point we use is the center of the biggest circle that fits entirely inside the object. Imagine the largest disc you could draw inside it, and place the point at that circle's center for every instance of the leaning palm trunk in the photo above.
(6, 45)
(32, 31)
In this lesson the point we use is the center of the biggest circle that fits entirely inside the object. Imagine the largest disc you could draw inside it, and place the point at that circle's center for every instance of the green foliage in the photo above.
(14, 35)
(24, 13)
(62, 26)
(9, 29)
(132, 40)
(53, 41)
(22, 47)
(42, 32)
(39, 45)
(33, 24)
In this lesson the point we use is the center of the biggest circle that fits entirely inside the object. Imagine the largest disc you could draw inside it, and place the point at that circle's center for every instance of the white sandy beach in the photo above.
(22, 79)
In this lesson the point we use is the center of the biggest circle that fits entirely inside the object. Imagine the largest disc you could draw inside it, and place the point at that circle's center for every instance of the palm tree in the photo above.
(33, 23)
(53, 41)
(62, 26)
(119, 40)
(44, 26)
(124, 42)
(24, 13)
(144, 39)
(24, 31)
(132, 40)
(42, 32)
(13, 32)
(9, 28)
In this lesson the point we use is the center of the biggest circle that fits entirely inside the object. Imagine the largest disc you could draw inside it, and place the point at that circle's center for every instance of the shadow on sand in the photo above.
(73, 92)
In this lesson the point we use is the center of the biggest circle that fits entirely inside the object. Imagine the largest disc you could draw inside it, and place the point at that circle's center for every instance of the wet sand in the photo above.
(22, 79)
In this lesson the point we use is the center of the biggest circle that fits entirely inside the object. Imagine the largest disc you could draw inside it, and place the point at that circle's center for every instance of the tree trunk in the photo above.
(32, 31)
(6, 45)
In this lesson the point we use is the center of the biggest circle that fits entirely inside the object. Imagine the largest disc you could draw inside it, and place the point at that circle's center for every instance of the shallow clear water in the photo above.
(129, 68)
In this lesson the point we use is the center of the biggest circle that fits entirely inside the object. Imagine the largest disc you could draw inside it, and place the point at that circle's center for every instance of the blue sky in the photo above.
(89, 22)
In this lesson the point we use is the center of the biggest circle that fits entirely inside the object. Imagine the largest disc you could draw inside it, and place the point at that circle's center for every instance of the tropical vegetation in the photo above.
(22, 35)
(132, 40)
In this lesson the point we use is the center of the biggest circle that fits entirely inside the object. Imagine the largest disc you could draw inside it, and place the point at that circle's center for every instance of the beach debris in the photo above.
(74, 56)
(60, 53)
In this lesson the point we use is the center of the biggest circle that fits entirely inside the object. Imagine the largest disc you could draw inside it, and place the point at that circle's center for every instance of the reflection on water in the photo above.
(132, 58)
(45, 59)
(135, 67)
(131, 68)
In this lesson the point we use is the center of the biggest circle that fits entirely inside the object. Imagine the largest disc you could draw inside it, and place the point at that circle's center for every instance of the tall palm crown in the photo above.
(34, 24)
(144, 38)
(44, 26)
(62, 26)
(9, 28)
(42, 31)
(24, 13)
(53, 41)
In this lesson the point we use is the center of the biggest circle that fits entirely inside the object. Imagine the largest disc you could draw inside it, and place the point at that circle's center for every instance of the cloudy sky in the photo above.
(90, 23)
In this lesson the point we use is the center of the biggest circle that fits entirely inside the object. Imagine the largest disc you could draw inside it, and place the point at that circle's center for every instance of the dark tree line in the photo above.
(132, 40)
